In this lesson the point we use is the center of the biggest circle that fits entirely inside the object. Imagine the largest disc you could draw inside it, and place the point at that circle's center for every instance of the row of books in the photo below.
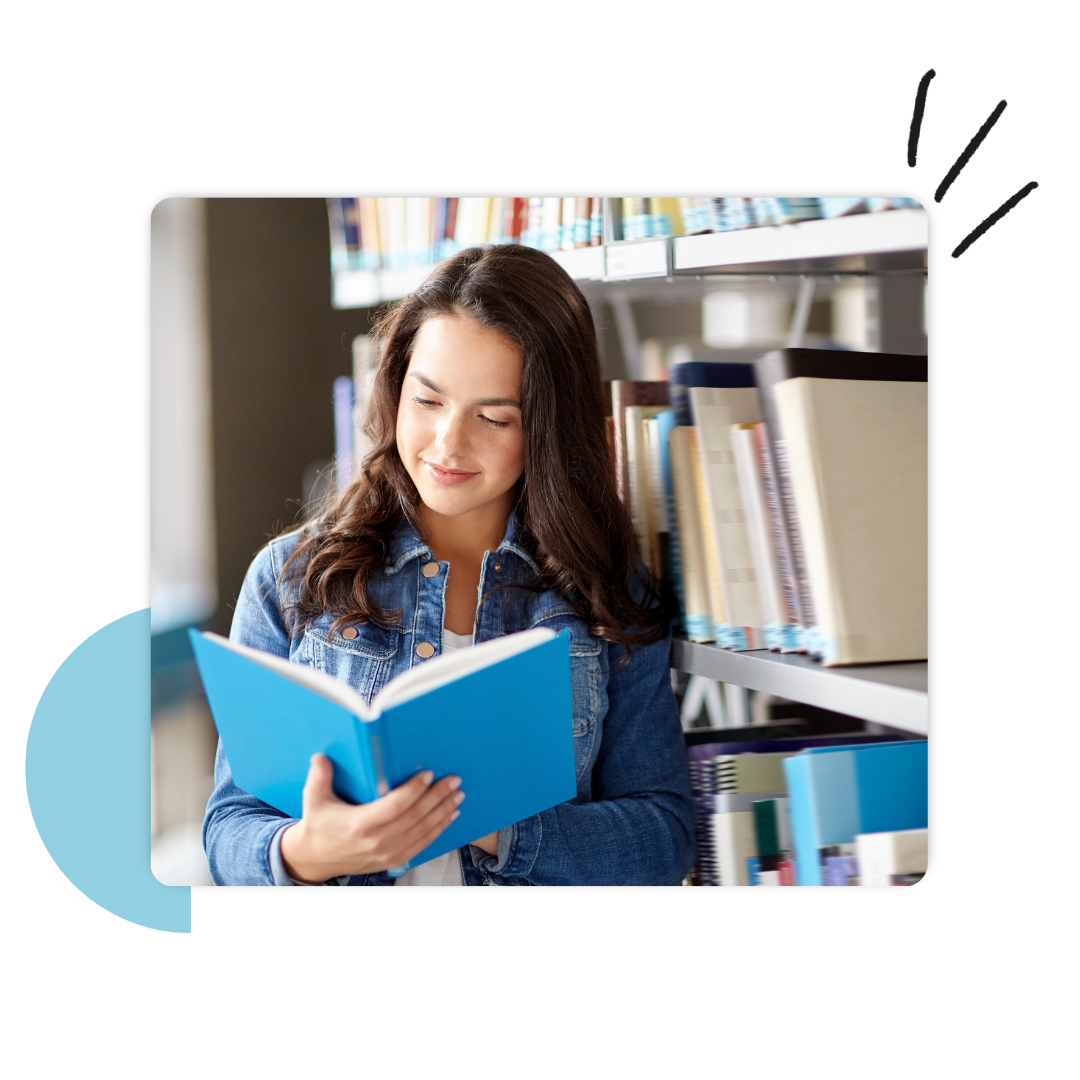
(785, 499)
(647, 217)
(840, 810)
(373, 233)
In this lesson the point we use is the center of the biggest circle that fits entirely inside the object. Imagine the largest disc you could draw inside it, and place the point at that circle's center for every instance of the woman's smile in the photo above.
(445, 477)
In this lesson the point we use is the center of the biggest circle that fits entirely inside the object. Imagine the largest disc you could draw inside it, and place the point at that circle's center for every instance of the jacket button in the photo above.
(425, 649)
(498, 567)
(430, 569)
(349, 633)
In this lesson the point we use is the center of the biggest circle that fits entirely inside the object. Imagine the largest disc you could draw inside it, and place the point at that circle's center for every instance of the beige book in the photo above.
(734, 841)
(637, 467)
(369, 232)
(858, 458)
(714, 410)
(717, 608)
(752, 491)
(697, 618)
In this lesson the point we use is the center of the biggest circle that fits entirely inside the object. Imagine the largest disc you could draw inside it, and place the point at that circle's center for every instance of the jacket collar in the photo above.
(406, 543)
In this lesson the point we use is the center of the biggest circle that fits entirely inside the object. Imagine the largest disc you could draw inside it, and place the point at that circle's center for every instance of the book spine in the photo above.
(713, 570)
(791, 520)
(535, 218)
(581, 222)
(521, 219)
(734, 843)
(551, 237)
(789, 586)
(803, 823)
(596, 222)
(438, 227)
(753, 501)
(343, 431)
(618, 412)
(637, 473)
(351, 220)
(665, 422)
(658, 513)
(448, 244)
(680, 395)
(697, 614)
(339, 248)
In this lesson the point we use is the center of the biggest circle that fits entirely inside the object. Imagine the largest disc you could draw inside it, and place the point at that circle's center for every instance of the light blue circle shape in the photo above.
(88, 776)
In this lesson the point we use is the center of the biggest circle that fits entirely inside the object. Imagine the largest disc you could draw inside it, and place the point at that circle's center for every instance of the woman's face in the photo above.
(459, 431)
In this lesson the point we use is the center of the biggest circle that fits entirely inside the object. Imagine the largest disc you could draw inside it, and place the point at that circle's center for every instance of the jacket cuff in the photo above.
(277, 864)
(519, 846)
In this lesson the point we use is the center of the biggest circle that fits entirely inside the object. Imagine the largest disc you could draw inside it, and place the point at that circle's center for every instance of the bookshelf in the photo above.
(892, 241)
(881, 244)
(890, 694)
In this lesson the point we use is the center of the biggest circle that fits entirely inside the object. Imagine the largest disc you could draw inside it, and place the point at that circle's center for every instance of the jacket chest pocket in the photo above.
(365, 663)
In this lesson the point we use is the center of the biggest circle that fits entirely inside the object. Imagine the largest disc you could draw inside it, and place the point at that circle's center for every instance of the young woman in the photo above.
(486, 506)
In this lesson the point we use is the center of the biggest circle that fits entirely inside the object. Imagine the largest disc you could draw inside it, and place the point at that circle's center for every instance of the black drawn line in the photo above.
(993, 219)
(970, 149)
(916, 117)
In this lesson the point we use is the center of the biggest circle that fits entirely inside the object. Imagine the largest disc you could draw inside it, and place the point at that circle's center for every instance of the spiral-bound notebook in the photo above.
(498, 715)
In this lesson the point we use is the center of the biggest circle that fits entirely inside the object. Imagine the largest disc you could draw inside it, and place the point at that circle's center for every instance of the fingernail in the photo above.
(459, 798)
(455, 782)
(455, 815)
(427, 777)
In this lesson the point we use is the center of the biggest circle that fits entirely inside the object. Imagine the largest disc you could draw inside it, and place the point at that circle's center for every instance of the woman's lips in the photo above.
(447, 477)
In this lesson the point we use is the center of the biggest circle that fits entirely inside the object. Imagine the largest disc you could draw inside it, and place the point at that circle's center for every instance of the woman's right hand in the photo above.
(333, 837)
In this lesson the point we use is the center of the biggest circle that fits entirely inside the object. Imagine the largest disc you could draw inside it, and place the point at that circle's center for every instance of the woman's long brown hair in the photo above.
(571, 517)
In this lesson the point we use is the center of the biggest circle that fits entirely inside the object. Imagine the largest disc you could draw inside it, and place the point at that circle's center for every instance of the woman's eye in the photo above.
(425, 403)
(494, 423)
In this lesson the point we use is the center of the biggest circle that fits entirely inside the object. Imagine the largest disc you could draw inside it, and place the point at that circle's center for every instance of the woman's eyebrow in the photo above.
(512, 402)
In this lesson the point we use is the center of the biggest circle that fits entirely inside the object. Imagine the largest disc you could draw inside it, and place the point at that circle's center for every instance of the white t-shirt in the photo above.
(446, 869)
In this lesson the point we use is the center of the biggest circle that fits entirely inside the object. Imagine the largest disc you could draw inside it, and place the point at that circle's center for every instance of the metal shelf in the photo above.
(891, 240)
(883, 242)
(891, 694)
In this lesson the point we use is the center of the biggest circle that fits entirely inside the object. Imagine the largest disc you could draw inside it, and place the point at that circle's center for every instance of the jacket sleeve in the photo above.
(639, 830)
(242, 834)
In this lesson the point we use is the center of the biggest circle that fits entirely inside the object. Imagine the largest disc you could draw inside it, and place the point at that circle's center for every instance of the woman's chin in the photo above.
(449, 502)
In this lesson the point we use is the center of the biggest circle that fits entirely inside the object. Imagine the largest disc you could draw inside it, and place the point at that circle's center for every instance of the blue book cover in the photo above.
(703, 373)
(838, 792)
(498, 715)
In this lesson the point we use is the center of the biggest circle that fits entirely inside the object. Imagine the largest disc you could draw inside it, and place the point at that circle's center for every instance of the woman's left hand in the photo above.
(489, 843)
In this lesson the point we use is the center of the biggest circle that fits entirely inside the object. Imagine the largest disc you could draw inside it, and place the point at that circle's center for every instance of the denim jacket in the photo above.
(632, 822)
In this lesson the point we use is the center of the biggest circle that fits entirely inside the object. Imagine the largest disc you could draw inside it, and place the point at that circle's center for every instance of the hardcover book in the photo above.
(498, 715)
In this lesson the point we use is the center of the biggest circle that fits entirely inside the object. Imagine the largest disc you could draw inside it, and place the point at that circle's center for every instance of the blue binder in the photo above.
(505, 729)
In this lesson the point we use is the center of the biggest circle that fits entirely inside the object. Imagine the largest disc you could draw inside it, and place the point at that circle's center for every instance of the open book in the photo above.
(498, 715)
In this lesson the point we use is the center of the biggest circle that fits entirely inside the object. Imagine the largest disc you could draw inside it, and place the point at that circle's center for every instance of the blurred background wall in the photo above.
(245, 347)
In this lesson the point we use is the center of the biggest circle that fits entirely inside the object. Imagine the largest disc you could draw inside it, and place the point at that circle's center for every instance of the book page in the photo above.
(451, 666)
(317, 681)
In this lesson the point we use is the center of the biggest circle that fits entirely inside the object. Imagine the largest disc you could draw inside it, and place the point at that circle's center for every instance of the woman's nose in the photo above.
(451, 438)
